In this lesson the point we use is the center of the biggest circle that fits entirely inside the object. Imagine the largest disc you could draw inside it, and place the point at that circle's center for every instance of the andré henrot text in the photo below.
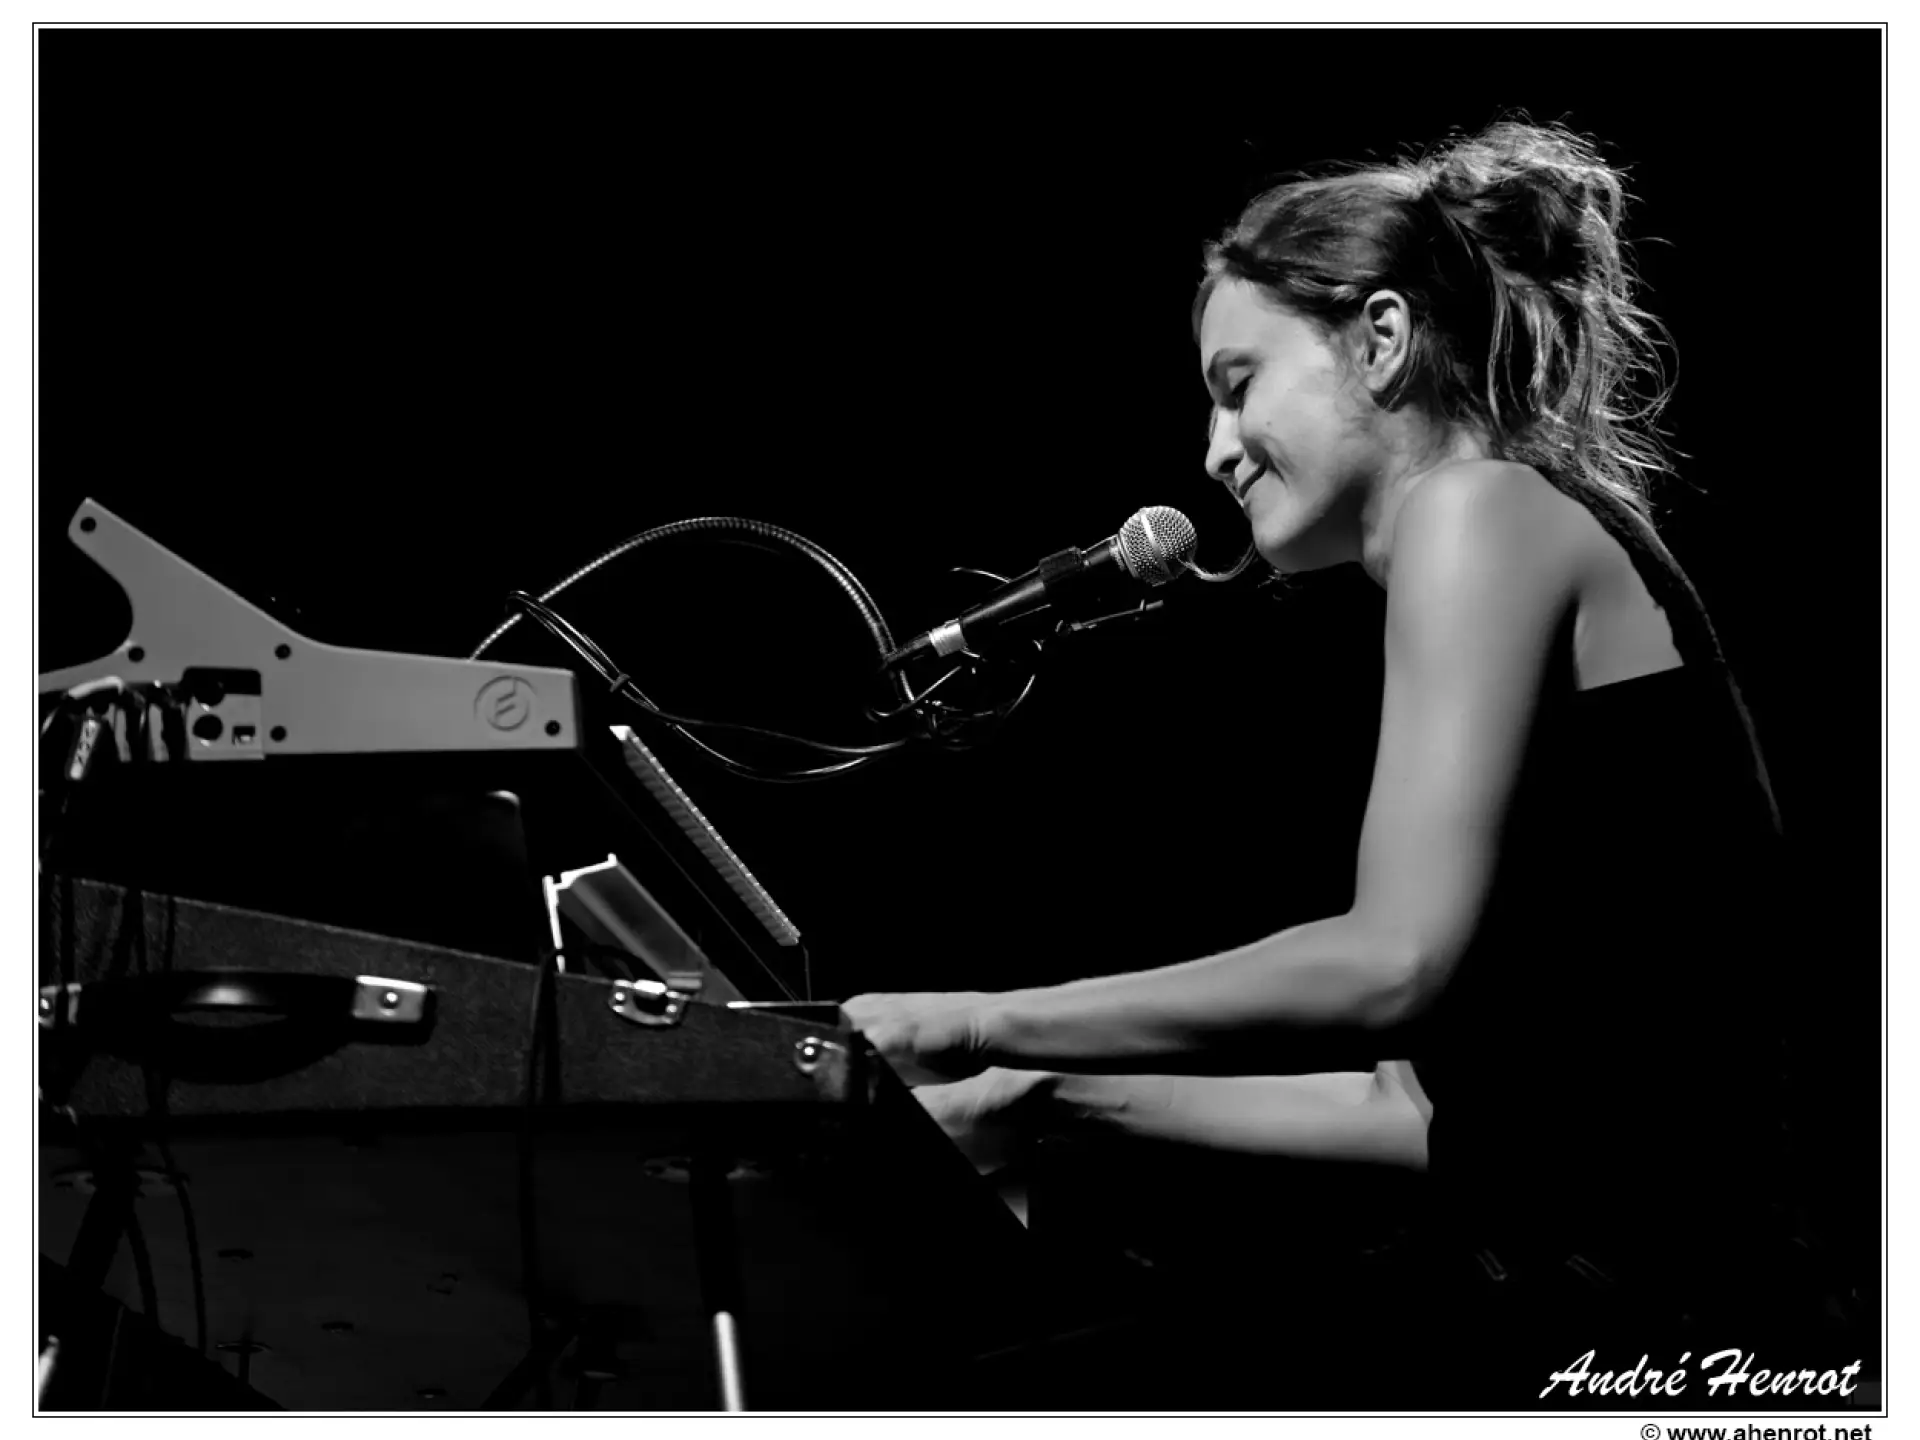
(1730, 1374)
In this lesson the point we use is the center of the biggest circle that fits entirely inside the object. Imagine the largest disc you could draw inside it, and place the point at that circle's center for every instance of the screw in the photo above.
(87, 525)
(553, 727)
(137, 654)
(390, 1000)
(281, 652)
(278, 733)
(46, 1005)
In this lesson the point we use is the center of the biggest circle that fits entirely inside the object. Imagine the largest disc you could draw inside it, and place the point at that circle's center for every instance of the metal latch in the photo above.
(648, 1002)
(394, 1002)
(58, 1002)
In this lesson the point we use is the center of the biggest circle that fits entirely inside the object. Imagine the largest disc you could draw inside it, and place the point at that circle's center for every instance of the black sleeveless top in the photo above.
(1604, 1064)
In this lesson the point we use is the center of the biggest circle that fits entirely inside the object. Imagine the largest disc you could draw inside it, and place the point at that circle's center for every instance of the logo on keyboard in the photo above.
(505, 702)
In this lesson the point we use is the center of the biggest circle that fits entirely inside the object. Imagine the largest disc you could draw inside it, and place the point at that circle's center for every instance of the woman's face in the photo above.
(1289, 434)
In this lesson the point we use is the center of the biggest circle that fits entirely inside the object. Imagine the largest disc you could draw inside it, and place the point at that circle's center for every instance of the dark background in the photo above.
(377, 325)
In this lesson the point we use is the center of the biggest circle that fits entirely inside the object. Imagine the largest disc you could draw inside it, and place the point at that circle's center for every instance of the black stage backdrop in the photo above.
(378, 325)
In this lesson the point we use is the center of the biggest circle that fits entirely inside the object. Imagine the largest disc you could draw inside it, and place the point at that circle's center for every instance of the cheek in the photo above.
(1277, 429)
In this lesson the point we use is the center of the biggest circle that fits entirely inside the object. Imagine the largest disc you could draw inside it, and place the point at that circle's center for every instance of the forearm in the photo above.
(1340, 1116)
(1333, 987)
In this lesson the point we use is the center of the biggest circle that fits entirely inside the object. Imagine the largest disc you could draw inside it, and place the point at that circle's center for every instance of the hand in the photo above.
(928, 1039)
(989, 1117)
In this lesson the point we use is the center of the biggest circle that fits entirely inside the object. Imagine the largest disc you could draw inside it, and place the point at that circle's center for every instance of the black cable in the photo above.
(143, 1268)
(528, 1197)
(133, 924)
(594, 658)
(884, 747)
(159, 1084)
(113, 1354)
(582, 643)
(194, 1266)
(54, 866)
(848, 582)
(944, 725)
(845, 578)
(914, 706)
(918, 706)
(621, 683)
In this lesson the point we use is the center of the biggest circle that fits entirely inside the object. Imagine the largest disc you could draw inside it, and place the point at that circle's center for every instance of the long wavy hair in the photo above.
(1507, 246)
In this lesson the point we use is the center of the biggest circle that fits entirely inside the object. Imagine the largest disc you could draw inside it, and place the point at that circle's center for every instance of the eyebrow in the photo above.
(1222, 359)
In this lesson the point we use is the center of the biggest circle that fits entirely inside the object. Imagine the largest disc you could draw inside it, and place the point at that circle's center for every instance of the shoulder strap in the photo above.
(1674, 593)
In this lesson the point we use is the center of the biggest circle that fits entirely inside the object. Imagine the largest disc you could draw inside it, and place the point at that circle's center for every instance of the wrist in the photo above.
(1108, 1101)
(997, 1028)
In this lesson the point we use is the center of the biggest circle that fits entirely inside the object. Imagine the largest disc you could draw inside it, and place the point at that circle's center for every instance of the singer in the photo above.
(1559, 946)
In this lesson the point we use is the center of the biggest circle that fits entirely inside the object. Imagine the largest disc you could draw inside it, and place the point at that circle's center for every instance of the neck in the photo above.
(1417, 452)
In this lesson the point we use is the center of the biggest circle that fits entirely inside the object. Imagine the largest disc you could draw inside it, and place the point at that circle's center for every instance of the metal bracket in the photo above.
(824, 1062)
(312, 698)
(376, 1000)
(398, 1002)
(648, 1002)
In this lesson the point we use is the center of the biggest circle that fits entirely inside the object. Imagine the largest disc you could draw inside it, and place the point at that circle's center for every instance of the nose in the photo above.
(1224, 450)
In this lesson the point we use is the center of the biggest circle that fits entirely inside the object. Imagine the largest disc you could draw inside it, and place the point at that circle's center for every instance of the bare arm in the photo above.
(1378, 1117)
(1484, 571)
(1349, 1115)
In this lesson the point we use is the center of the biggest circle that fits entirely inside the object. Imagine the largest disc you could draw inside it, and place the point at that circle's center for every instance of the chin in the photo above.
(1298, 539)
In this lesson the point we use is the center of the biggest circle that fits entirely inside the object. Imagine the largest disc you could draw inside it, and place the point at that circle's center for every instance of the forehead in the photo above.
(1238, 317)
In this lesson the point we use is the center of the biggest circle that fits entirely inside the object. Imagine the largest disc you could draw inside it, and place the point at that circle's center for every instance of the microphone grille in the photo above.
(1157, 543)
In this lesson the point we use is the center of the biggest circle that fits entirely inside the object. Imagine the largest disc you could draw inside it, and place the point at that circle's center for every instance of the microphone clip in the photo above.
(1145, 607)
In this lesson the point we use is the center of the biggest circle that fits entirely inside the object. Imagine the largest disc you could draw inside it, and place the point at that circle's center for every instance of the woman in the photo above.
(1426, 368)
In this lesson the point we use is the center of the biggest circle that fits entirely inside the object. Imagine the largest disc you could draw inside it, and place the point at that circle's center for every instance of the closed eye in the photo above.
(1234, 399)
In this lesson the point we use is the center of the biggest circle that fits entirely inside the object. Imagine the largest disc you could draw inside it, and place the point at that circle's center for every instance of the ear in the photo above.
(1385, 338)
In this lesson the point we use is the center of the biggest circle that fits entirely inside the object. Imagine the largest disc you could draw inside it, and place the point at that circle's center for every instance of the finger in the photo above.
(43, 1368)
(915, 1072)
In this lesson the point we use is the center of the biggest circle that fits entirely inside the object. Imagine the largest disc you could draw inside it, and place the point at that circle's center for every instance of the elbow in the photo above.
(1395, 1001)
(1405, 978)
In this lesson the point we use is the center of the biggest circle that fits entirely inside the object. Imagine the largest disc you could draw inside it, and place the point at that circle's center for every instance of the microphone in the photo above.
(1154, 546)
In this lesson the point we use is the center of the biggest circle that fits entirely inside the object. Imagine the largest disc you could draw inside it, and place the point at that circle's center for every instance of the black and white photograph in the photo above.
(1018, 719)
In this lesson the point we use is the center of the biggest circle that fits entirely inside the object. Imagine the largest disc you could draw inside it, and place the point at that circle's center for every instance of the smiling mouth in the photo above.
(1252, 480)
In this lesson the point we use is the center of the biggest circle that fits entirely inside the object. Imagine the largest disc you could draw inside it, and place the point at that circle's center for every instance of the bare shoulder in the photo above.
(1495, 498)
(1477, 513)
